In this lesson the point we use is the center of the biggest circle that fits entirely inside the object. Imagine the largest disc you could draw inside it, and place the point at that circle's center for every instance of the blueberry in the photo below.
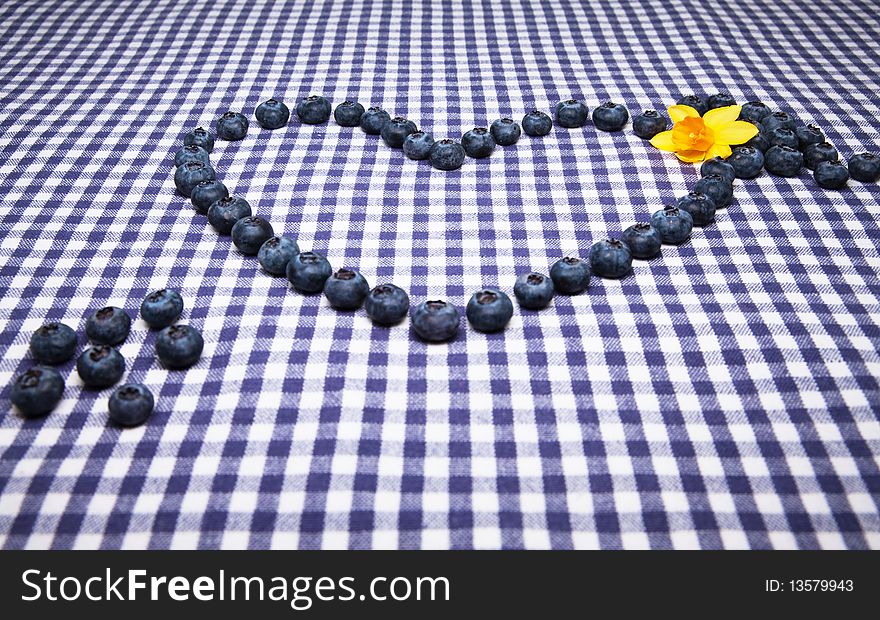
(313, 110)
(53, 343)
(489, 310)
(207, 193)
(700, 206)
(191, 152)
(642, 240)
(387, 304)
(782, 136)
(131, 404)
(435, 321)
(747, 161)
(783, 161)
(200, 137)
(37, 391)
(610, 116)
(161, 308)
(224, 213)
(721, 100)
(346, 289)
(779, 119)
(100, 366)
(673, 224)
(505, 131)
(533, 291)
(536, 123)
(250, 233)
(447, 155)
(478, 143)
(232, 126)
(308, 271)
(648, 124)
(754, 111)
(697, 103)
(809, 134)
(348, 113)
(718, 166)
(109, 325)
(572, 114)
(190, 174)
(865, 167)
(719, 189)
(817, 153)
(272, 114)
(373, 120)
(611, 258)
(831, 174)
(760, 140)
(570, 276)
(418, 145)
(395, 131)
(179, 346)
(275, 253)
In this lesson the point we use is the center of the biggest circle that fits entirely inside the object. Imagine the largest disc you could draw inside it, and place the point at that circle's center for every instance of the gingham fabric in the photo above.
(725, 395)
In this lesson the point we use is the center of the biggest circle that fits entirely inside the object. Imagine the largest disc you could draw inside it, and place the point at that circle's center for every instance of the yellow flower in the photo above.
(693, 138)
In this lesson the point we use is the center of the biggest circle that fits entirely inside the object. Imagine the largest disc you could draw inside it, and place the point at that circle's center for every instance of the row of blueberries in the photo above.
(37, 391)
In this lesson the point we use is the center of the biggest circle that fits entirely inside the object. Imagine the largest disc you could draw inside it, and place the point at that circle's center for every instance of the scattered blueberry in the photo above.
(570, 276)
(373, 120)
(809, 134)
(232, 126)
(200, 137)
(610, 258)
(224, 213)
(717, 188)
(447, 155)
(346, 289)
(109, 325)
(747, 161)
(673, 224)
(308, 271)
(272, 114)
(783, 136)
(721, 100)
(191, 152)
(831, 174)
(313, 110)
(642, 240)
(760, 140)
(489, 310)
(610, 116)
(478, 143)
(865, 167)
(697, 103)
(571, 114)
(700, 206)
(718, 166)
(435, 321)
(179, 346)
(505, 131)
(817, 153)
(536, 123)
(778, 119)
(190, 174)
(100, 366)
(275, 253)
(533, 291)
(53, 343)
(395, 131)
(387, 304)
(206, 193)
(131, 404)
(250, 233)
(783, 161)
(418, 145)
(37, 391)
(754, 111)
(348, 113)
(648, 124)
(161, 308)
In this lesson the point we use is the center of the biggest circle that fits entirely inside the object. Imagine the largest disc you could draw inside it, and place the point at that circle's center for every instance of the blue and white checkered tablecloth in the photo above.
(723, 396)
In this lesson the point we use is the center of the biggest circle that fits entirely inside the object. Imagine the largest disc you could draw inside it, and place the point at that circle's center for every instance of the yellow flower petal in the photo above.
(719, 150)
(720, 116)
(690, 156)
(736, 132)
(663, 141)
(680, 112)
